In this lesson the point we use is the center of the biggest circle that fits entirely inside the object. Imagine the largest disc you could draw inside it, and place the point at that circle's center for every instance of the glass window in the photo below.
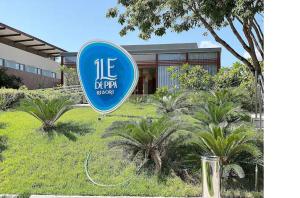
(39, 71)
(199, 56)
(70, 59)
(171, 57)
(1, 62)
(21, 67)
(18, 65)
(53, 75)
(47, 73)
(11, 64)
(30, 69)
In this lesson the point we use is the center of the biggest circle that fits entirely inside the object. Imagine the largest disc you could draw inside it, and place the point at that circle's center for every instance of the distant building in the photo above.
(154, 60)
(36, 61)
(30, 58)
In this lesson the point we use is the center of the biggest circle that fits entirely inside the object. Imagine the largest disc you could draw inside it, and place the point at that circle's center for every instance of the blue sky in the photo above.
(70, 23)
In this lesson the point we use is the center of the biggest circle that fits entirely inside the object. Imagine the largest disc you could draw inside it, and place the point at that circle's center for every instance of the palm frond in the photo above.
(235, 168)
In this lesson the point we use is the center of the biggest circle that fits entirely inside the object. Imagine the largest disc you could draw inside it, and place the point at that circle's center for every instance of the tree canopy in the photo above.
(157, 16)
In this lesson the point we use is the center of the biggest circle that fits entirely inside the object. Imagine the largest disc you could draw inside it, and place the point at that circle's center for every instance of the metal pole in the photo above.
(211, 177)
(255, 84)
(260, 109)
(256, 177)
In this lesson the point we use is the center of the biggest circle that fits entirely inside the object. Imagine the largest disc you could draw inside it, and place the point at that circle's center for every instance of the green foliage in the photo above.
(240, 81)
(161, 92)
(192, 77)
(156, 17)
(10, 97)
(9, 81)
(70, 75)
(228, 144)
(47, 110)
(235, 76)
(241, 193)
(37, 165)
(139, 99)
(144, 138)
(173, 104)
(219, 109)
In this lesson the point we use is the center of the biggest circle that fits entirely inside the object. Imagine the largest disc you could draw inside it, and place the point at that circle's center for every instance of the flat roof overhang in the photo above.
(21, 40)
(158, 51)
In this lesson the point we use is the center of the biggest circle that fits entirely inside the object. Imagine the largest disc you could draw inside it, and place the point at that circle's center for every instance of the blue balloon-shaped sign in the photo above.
(108, 74)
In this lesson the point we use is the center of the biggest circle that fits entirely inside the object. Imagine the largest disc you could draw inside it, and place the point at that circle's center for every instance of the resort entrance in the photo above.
(147, 81)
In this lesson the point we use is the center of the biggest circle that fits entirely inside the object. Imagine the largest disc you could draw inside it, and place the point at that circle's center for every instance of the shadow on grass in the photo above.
(3, 145)
(2, 125)
(70, 129)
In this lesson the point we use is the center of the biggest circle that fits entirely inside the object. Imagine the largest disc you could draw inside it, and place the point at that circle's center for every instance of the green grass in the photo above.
(36, 164)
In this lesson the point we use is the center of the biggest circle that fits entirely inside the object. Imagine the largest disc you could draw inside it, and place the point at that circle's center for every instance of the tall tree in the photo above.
(157, 16)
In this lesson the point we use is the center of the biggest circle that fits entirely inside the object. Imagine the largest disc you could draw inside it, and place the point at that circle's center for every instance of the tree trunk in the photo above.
(155, 156)
(48, 125)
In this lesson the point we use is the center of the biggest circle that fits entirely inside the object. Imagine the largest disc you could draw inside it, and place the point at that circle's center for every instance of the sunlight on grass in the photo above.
(35, 164)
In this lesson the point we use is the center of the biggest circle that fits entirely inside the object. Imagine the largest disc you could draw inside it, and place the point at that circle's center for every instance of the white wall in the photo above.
(14, 54)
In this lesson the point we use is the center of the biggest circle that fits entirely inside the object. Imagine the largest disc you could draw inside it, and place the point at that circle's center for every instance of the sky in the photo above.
(70, 23)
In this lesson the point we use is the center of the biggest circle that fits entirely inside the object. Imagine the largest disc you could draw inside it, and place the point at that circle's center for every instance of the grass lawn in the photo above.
(38, 164)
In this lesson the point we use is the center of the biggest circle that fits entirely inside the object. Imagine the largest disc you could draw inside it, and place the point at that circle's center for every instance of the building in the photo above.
(30, 58)
(154, 60)
(37, 63)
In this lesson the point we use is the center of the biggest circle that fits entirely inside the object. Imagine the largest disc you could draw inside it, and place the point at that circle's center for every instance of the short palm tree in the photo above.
(228, 144)
(173, 104)
(47, 110)
(146, 136)
(217, 111)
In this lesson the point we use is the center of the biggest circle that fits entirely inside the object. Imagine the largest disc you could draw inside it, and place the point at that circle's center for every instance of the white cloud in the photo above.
(247, 55)
(207, 44)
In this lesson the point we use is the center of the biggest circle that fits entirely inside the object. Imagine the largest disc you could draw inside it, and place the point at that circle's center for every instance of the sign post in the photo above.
(107, 73)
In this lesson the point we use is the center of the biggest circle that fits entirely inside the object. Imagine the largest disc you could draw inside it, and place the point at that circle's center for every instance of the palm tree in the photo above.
(47, 110)
(146, 136)
(173, 104)
(228, 144)
(219, 109)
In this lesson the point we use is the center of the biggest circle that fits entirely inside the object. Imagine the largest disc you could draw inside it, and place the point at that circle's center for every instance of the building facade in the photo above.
(30, 58)
(154, 60)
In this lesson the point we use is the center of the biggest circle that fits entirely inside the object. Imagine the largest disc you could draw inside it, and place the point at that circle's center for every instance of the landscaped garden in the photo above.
(45, 140)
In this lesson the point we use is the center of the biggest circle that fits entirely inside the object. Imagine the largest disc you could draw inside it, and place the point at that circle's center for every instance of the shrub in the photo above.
(145, 138)
(47, 110)
(240, 80)
(192, 77)
(70, 75)
(9, 81)
(138, 99)
(161, 92)
(229, 144)
(173, 104)
(10, 97)
(219, 108)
